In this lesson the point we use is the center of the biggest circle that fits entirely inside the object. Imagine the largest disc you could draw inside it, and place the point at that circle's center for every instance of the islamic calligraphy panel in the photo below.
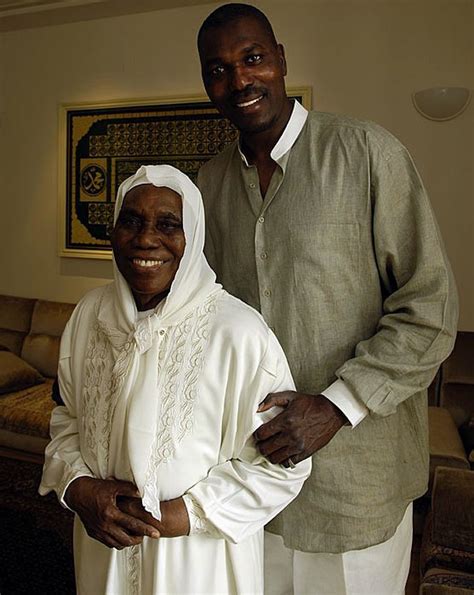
(104, 144)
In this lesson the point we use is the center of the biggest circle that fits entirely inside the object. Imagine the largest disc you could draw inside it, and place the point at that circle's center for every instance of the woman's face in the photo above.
(148, 242)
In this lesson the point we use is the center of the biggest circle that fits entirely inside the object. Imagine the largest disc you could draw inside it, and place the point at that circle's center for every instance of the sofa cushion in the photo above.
(457, 379)
(436, 555)
(24, 418)
(16, 374)
(42, 352)
(41, 346)
(453, 510)
(446, 448)
(15, 320)
(441, 581)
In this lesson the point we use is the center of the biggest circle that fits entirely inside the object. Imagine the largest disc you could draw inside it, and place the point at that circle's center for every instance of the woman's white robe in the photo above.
(172, 407)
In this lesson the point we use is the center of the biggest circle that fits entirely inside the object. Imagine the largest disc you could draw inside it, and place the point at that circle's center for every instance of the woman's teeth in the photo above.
(147, 263)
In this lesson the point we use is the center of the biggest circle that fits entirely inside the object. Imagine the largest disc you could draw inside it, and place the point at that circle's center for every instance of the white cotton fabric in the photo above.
(169, 402)
(380, 569)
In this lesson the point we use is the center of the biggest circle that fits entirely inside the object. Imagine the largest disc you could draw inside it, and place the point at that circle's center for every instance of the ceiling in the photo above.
(22, 14)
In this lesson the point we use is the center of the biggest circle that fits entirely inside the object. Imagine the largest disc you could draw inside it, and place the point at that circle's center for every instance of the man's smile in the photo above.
(249, 102)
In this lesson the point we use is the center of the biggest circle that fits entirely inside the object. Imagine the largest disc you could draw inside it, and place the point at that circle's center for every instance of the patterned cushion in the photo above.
(27, 411)
(440, 581)
(434, 555)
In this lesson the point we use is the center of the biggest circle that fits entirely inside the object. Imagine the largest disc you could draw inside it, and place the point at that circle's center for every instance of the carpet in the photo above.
(36, 535)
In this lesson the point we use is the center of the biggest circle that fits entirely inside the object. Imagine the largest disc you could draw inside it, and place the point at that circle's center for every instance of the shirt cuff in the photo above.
(64, 486)
(198, 523)
(340, 395)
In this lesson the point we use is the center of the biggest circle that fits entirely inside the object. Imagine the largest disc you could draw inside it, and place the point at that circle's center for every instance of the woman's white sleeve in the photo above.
(242, 494)
(63, 459)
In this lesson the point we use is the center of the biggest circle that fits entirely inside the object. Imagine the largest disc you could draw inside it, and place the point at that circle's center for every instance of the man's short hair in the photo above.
(232, 12)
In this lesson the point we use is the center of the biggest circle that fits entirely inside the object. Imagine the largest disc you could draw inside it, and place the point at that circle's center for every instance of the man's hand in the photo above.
(174, 515)
(95, 501)
(307, 423)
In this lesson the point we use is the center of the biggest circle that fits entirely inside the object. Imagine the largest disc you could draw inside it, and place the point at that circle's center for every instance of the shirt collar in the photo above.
(290, 134)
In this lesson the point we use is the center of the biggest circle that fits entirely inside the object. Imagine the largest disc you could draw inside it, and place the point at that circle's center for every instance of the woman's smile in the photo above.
(147, 263)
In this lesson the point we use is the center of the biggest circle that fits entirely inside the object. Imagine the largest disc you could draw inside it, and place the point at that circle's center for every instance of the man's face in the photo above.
(243, 73)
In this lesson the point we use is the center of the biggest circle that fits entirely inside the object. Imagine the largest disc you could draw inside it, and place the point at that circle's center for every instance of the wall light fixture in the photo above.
(441, 103)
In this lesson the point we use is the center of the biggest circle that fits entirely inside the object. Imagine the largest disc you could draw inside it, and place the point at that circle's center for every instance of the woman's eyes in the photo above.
(136, 223)
(130, 221)
(169, 224)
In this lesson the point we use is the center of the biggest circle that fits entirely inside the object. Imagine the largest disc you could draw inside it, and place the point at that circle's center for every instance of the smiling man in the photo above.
(322, 223)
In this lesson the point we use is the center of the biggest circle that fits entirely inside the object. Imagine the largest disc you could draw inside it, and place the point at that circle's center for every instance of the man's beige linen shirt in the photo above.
(344, 260)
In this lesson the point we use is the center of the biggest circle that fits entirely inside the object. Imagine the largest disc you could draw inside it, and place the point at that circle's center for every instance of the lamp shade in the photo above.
(441, 103)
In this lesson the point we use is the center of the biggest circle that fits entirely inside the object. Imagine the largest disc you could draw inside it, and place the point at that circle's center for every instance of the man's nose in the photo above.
(241, 78)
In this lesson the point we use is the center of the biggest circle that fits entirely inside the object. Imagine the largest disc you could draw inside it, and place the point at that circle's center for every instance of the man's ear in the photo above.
(281, 53)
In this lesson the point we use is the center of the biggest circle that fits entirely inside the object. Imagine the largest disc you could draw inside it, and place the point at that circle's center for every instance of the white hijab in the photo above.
(194, 280)
(134, 399)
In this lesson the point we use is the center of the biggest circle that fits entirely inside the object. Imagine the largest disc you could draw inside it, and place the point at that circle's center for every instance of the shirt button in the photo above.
(252, 185)
(261, 219)
(267, 293)
(263, 255)
(162, 332)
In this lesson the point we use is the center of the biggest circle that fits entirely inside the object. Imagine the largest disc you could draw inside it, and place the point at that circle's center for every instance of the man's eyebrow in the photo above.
(252, 48)
(246, 50)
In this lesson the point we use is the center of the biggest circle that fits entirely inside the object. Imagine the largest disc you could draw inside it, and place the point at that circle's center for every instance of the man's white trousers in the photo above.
(381, 569)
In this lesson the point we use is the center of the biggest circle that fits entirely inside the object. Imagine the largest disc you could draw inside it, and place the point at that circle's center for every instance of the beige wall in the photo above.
(361, 57)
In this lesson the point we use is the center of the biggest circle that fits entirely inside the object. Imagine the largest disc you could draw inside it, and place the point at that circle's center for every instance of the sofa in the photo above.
(30, 332)
(447, 548)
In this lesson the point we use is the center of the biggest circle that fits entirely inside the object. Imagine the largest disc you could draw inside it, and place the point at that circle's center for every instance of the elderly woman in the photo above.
(161, 373)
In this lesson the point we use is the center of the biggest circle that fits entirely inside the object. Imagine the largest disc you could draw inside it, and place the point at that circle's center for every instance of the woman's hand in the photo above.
(174, 515)
(95, 501)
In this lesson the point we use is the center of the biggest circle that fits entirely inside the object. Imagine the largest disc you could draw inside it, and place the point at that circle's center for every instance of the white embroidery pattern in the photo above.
(103, 381)
(198, 523)
(134, 569)
(178, 372)
(97, 385)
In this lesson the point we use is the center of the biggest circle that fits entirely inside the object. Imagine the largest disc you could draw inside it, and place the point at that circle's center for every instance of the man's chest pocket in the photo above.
(327, 253)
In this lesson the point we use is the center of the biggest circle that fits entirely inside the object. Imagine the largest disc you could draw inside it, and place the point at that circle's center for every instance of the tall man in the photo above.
(322, 224)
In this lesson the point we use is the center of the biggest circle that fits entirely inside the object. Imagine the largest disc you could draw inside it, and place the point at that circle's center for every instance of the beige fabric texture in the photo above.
(15, 320)
(344, 260)
(42, 352)
(49, 318)
(15, 313)
(16, 374)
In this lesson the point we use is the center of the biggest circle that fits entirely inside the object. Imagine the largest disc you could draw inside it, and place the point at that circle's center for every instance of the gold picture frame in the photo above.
(101, 144)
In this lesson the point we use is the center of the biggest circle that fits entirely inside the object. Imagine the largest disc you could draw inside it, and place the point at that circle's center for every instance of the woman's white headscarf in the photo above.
(134, 396)
(194, 280)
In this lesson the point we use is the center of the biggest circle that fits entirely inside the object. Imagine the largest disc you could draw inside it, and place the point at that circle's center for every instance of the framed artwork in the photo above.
(105, 143)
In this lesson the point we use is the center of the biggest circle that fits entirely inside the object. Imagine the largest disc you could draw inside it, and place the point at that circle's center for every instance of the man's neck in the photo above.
(258, 146)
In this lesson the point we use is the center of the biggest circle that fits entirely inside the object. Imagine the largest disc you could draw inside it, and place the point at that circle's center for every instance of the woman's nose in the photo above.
(147, 237)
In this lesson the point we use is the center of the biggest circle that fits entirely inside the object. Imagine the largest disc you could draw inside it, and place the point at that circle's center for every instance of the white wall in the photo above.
(362, 57)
